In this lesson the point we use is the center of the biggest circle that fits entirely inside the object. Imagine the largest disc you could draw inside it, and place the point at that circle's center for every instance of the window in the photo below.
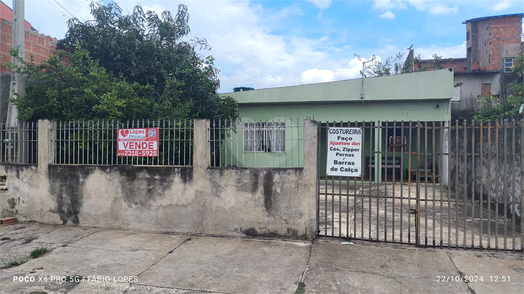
(394, 139)
(508, 64)
(265, 137)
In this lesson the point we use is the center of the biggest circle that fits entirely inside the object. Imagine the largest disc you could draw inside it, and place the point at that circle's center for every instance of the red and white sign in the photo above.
(138, 142)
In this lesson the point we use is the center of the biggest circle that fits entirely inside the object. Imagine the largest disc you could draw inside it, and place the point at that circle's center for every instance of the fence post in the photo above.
(201, 145)
(46, 143)
(311, 173)
(521, 184)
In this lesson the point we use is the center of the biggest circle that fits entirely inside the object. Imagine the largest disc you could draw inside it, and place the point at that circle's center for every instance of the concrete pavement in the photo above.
(94, 260)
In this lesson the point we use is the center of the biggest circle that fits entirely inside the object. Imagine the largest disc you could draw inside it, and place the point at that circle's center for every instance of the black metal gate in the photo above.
(437, 184)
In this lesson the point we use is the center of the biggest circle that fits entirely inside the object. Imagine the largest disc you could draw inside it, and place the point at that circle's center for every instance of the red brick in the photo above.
(7, 221)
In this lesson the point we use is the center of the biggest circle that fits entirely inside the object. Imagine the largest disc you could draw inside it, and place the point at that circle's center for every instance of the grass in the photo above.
(14, 263)
(39, 252)
(300, 289)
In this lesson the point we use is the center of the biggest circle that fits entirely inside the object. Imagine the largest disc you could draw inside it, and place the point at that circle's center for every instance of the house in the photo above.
(40, 46)
(377, 104)
(492, 44)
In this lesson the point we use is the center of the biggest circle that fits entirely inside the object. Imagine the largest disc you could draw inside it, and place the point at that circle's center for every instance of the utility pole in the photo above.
(13, 148)
(17, 80)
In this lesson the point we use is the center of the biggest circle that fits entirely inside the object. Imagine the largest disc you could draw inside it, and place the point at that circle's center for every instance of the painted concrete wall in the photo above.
(471, 91)
(234, 155)
(428, 85)
(198, 199)
(498, 173)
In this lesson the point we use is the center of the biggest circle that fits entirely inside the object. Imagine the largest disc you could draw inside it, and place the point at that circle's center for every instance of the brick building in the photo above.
(492, 44)
(40, 46)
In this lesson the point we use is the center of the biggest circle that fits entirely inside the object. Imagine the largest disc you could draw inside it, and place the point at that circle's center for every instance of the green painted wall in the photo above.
(233, 149)
(416, 86)
(422, 96)
(423, 110)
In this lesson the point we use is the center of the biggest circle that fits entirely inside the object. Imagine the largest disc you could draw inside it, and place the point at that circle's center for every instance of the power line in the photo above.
(62, 9)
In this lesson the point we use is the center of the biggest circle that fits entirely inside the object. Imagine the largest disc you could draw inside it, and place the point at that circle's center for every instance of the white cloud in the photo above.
(458, 51)
(316, 75)
(431, 6)
(440, 9)
(321, 4)
(502, 5)
(388, 15)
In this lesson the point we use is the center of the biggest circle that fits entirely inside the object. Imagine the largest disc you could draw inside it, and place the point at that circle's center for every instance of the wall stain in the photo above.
(67, 183)
(141, 186)
(268, 190)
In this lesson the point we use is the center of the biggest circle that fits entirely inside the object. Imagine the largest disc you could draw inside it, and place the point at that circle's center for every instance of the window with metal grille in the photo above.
(264, 137)
(394, 140)
(508, 64)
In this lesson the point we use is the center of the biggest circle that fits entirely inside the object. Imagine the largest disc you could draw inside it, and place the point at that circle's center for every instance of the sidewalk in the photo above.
(94, 260)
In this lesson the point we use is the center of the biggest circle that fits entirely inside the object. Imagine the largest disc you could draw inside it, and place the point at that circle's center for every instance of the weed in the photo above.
(300, 289)
(14, 263)
(39, 252)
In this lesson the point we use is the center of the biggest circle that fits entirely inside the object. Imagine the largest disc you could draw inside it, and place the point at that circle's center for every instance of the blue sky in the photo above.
(273, 43)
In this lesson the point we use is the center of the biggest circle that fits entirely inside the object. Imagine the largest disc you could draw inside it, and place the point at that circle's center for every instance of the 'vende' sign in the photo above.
(138, 142)
(344, 155)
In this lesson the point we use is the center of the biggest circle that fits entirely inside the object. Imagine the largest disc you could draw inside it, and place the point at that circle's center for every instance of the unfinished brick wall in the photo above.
(502, 30)
(36, 44)
(485, 89)
(458, 64)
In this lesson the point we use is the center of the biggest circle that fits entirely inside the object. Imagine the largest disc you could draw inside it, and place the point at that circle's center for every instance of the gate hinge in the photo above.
(413, 211)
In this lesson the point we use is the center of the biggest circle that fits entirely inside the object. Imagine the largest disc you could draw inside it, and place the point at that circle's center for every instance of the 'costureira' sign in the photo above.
(138, 142)
(344, 155)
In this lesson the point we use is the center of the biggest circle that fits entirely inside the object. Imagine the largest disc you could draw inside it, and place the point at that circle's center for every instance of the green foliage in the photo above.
(393, 65)
(492, 108)
(39, 252)
(150, 50)
(82, 90)
(433, 64)
(14, 263)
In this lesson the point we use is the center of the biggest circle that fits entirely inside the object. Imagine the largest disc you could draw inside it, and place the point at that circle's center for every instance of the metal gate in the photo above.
(430, 184)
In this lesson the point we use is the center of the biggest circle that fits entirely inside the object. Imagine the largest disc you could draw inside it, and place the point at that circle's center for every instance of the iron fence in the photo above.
(95, 142)
(252, 143)
(19, 144)
(434, 184)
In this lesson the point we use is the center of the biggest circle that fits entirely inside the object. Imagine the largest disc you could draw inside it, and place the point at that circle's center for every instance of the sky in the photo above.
(276, 43)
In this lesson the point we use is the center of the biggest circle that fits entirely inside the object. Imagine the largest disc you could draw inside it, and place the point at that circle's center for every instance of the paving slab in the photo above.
(366, 268)
(126, 288)
(231, 266)
(490, 272)
(17, 241)
(107, 255)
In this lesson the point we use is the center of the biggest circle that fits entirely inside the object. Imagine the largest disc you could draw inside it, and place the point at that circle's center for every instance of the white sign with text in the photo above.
(344, 153)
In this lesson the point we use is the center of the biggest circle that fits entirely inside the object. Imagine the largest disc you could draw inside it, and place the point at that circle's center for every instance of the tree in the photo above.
(492, 108)
(393, 65)
(81, 90)
(149, 51)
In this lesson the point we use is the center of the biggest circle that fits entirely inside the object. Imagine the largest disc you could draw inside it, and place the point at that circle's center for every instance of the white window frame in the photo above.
(267, 137)
(508, 64)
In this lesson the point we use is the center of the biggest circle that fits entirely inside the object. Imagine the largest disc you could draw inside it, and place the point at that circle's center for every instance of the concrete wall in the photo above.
(471, 91)
(428, 85)
(498, 172)
(200, 199)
